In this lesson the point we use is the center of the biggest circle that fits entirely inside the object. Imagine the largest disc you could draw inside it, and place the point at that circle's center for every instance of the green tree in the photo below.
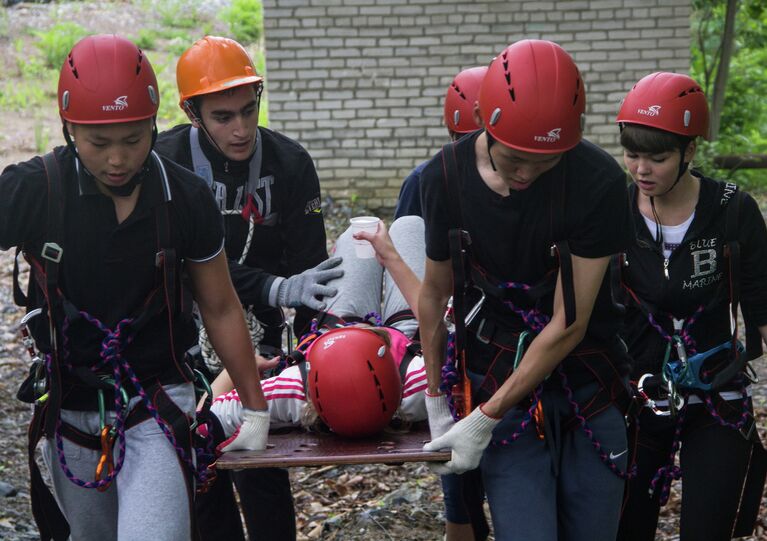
(740, 92)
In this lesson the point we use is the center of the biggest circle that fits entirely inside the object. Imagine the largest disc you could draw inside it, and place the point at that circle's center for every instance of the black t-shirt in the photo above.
(698, 276)
(108, 269)
(511, 236)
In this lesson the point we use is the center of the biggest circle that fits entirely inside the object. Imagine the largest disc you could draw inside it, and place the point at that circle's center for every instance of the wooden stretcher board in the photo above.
(311, 449)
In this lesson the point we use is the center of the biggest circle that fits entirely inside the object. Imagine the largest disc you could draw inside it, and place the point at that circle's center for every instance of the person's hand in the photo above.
(265, 364)
(467, 439)
(302, 289)
(252, 434)
(438, 412)
(382, 244)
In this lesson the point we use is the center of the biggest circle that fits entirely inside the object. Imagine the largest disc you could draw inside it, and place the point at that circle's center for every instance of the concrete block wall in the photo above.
(360, 83)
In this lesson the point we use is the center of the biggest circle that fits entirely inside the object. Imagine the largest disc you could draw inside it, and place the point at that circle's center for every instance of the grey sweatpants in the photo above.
(364, 281)
(147, 500)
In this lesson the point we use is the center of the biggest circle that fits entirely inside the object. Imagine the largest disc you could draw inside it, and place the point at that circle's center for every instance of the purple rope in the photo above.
(744, 416)
(631, 472)
(450, 375)
(112, 347)
(684, 334)
(670, 472)
(525, 420)
(534, 319)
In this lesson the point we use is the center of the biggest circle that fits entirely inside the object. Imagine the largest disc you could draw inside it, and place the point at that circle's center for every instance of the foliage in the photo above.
(18, 96)
(146, 39)
(745, 111)
(55, 44)
(245, 19)
(170, 114)
(180, 14)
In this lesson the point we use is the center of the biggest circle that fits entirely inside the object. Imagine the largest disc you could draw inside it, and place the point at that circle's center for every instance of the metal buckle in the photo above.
(52, 252)
(748, 433)
(479, 332)
(475, 310)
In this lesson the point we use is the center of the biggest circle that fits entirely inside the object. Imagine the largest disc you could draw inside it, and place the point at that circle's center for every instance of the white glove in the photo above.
(252, 434)
(468, 439)
(438, 412)
(228, 410)
(302, 289)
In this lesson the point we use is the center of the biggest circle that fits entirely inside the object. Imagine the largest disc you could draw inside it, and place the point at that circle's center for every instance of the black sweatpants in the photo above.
(267, 505)
(714, 461)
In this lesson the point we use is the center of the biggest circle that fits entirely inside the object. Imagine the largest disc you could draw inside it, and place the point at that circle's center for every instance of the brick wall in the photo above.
(360, 82)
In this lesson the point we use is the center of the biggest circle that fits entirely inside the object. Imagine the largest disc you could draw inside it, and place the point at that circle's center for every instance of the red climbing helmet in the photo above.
(460, 98)
(670, 102)
(533, 99)
(353, 381)
(107, 79)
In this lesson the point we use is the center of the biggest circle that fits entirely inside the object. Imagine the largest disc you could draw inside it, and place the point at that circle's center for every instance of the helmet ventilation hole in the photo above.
(512, 95)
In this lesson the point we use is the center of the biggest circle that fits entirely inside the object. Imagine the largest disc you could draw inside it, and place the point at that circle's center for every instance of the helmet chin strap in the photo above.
(683, 165)
(490, 142)
(125, 189)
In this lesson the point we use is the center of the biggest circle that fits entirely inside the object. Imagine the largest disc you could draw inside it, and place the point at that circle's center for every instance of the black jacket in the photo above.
(698, 276)
(291, 237)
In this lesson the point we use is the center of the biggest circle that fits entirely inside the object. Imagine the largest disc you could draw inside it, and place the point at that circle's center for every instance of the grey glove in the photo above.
(302, 289)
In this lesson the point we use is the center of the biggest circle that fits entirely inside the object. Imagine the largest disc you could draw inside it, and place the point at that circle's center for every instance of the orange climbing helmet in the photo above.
(211, 65)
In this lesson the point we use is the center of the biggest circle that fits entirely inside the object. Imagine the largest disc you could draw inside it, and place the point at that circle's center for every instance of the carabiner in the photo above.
(476, 308)
(649, 402)
(449, 317)
(520, 348)
(107, 443)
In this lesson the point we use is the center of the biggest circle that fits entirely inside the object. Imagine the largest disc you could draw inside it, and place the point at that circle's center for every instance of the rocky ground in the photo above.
(333, 503)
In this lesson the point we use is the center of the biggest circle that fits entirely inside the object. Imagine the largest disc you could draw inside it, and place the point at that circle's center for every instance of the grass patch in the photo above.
(19, 96)
(55, 44)
(146, 39)
(181, 14)
(245, 19)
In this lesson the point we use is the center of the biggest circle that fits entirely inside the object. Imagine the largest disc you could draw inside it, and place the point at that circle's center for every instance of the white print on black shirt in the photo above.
(704, 264)
(315, 206)
(729, 190)
(262, 197)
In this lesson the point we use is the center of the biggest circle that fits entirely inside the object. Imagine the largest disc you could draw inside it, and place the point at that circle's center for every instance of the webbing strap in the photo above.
(458, 241)
(49, 519)
(53, 235)
(203, 168)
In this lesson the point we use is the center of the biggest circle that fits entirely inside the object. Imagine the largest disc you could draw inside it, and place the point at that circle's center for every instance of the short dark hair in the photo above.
(639, 138)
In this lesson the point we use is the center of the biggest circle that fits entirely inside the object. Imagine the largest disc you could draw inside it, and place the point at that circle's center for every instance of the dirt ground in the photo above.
(333, 503)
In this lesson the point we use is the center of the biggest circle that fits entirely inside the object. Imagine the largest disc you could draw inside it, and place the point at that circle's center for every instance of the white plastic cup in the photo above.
(362, 248)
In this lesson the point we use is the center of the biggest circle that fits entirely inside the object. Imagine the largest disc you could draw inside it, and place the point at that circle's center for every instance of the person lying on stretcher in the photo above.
(354, 380)
(355, 375)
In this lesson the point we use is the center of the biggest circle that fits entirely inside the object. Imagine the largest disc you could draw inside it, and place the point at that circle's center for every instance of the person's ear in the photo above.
(477, 115)
(689, 152)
